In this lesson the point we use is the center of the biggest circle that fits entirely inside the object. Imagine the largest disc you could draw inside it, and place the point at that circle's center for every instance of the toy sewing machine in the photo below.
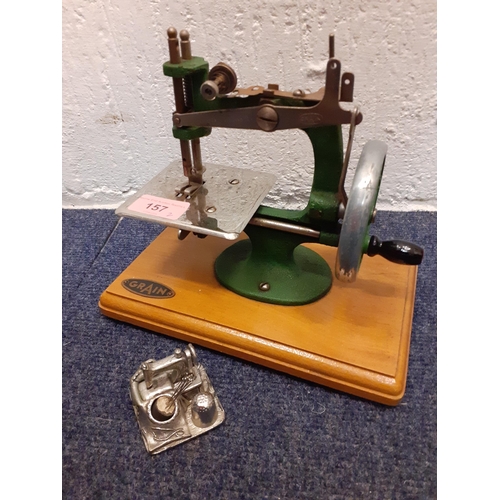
(261, 286)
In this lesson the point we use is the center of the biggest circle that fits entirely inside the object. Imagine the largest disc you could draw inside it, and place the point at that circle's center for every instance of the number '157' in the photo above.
(156, 207)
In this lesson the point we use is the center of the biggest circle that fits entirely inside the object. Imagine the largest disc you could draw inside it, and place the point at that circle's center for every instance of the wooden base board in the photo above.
(355, 339)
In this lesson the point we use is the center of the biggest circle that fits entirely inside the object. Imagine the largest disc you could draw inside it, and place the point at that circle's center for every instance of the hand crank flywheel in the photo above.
(359, 210)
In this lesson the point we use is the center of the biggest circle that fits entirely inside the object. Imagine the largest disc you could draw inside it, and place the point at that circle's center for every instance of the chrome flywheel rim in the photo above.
(359, 210)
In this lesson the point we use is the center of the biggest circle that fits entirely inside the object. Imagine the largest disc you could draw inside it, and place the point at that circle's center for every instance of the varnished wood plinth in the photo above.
(355, 339)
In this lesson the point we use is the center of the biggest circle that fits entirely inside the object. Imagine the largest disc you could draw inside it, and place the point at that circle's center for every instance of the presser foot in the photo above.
(188, 190)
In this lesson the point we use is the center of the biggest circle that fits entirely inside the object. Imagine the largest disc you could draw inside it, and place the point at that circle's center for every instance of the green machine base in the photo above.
(300, 278)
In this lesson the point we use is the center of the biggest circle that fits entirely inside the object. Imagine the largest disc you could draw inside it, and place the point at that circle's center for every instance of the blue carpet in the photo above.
(283, 438)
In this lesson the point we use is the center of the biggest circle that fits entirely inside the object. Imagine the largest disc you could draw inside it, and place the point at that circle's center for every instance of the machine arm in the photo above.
(270, 117)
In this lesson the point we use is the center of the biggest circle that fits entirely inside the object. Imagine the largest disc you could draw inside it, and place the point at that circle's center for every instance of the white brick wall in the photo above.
(117, 104)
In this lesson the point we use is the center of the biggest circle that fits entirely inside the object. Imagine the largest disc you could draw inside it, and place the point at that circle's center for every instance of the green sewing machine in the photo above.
(278, 262)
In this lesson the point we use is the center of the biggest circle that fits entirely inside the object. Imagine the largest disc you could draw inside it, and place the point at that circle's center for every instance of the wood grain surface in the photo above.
(355, 339)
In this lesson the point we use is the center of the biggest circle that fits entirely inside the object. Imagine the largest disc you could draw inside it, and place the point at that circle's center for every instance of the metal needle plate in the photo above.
(222, 207)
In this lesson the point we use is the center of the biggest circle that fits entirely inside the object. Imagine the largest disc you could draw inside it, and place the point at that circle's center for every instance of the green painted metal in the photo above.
(295, 274)
(190, 133)
(185, 68)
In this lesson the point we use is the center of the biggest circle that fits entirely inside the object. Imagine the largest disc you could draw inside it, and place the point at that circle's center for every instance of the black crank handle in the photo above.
(397, 251)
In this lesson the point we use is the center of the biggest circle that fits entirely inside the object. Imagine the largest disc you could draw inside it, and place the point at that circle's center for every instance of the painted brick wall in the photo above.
(117, 104)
